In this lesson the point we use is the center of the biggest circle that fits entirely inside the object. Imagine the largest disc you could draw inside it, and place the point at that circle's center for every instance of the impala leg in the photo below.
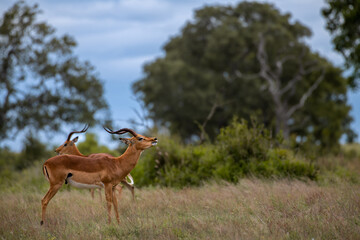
(109, 197)
(48, 196)
(114, 200)
(100, 195)
(92, 193)
(130, 187)
(119, 189)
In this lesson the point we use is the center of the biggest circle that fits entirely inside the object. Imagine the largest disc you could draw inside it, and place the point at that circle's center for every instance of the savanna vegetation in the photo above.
(249, 135)
(252, 208)
(259, 190)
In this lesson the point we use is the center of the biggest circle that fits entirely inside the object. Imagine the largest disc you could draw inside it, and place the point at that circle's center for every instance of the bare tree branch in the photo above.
(262, 58)
(215, 106)
(247, 76)
(306, 95)
(143, 116)
(298, 76)
(209, 116)
(234, 71)
(280, 63)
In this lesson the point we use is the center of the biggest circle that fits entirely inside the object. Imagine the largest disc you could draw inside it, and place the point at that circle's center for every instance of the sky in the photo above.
(119, 36)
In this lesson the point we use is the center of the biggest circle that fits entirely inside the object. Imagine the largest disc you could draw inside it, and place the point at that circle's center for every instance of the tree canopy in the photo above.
(42, 82)
(242, 61)
(343, 21)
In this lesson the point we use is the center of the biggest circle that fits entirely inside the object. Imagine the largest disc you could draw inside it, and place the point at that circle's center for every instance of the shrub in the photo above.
(173, 164)
(8, 161)
(239, 151)
(351, 150)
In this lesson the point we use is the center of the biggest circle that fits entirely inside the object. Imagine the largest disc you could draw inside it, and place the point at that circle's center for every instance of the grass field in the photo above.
(252, 209)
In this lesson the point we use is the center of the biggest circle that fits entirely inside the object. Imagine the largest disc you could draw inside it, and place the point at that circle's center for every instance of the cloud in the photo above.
(124, 70)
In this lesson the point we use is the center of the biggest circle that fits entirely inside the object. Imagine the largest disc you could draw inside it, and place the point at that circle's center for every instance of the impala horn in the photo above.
(121, 131)
(83, 130)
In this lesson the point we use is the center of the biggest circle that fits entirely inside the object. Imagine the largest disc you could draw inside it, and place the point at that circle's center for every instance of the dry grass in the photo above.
(252, 209)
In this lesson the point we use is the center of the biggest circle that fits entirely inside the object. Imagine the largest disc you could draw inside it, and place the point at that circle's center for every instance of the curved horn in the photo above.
(83, 130)
(121, 131)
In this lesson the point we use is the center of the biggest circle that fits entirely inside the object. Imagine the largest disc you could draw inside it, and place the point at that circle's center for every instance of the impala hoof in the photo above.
(42, 222)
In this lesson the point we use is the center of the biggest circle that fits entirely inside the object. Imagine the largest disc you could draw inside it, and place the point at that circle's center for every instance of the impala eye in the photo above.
(65, 144)
(140, 138)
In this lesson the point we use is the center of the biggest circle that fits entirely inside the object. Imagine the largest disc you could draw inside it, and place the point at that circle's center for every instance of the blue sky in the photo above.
(119, 36)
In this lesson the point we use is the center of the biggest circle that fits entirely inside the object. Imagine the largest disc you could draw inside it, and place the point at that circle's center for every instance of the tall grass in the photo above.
(251, 209)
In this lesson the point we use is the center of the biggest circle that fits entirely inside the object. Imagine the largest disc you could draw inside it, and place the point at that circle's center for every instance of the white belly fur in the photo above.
(83, 185)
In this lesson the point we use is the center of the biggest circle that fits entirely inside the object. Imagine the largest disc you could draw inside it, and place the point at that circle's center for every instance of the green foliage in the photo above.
(210, 73)
(344, 166)
(91, 145)
(31, 178)
(34, 150)
(239, 151)
(12, 162)
(8, 161)
(342, 21)
(351, 150)
(42, 82)
(252, 151)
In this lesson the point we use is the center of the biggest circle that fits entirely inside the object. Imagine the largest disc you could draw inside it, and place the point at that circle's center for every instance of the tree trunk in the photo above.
(282, 123)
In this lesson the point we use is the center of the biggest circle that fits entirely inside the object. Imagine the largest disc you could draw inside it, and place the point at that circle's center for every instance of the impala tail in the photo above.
(46, 174)
(131, 182)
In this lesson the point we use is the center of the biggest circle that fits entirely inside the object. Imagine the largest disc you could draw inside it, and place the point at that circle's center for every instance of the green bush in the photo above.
(239, 151)
(173, 164)
(12, 162)
(252, 151)
(351, 150)
(8, 160)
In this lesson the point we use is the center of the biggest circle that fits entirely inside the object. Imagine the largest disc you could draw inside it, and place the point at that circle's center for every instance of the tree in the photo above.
(42, 83)
(343, 21)
(245, 60)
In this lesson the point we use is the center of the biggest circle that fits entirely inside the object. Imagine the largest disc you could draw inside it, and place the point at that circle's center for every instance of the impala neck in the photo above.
(77, 152)
(131, 156)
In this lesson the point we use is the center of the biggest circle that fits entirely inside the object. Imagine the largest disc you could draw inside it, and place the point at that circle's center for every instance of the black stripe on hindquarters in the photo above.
(68, 176)
(47, 174)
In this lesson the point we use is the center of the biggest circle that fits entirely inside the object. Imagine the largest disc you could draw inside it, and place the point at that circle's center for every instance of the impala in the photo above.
(104, 171)
(69, 147)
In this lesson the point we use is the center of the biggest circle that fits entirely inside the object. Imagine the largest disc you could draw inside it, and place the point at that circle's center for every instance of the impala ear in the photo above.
(127, 141)
(75, 140)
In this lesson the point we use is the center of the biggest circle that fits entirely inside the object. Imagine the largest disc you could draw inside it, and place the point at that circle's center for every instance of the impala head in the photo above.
(140, 142)
(69, 147)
